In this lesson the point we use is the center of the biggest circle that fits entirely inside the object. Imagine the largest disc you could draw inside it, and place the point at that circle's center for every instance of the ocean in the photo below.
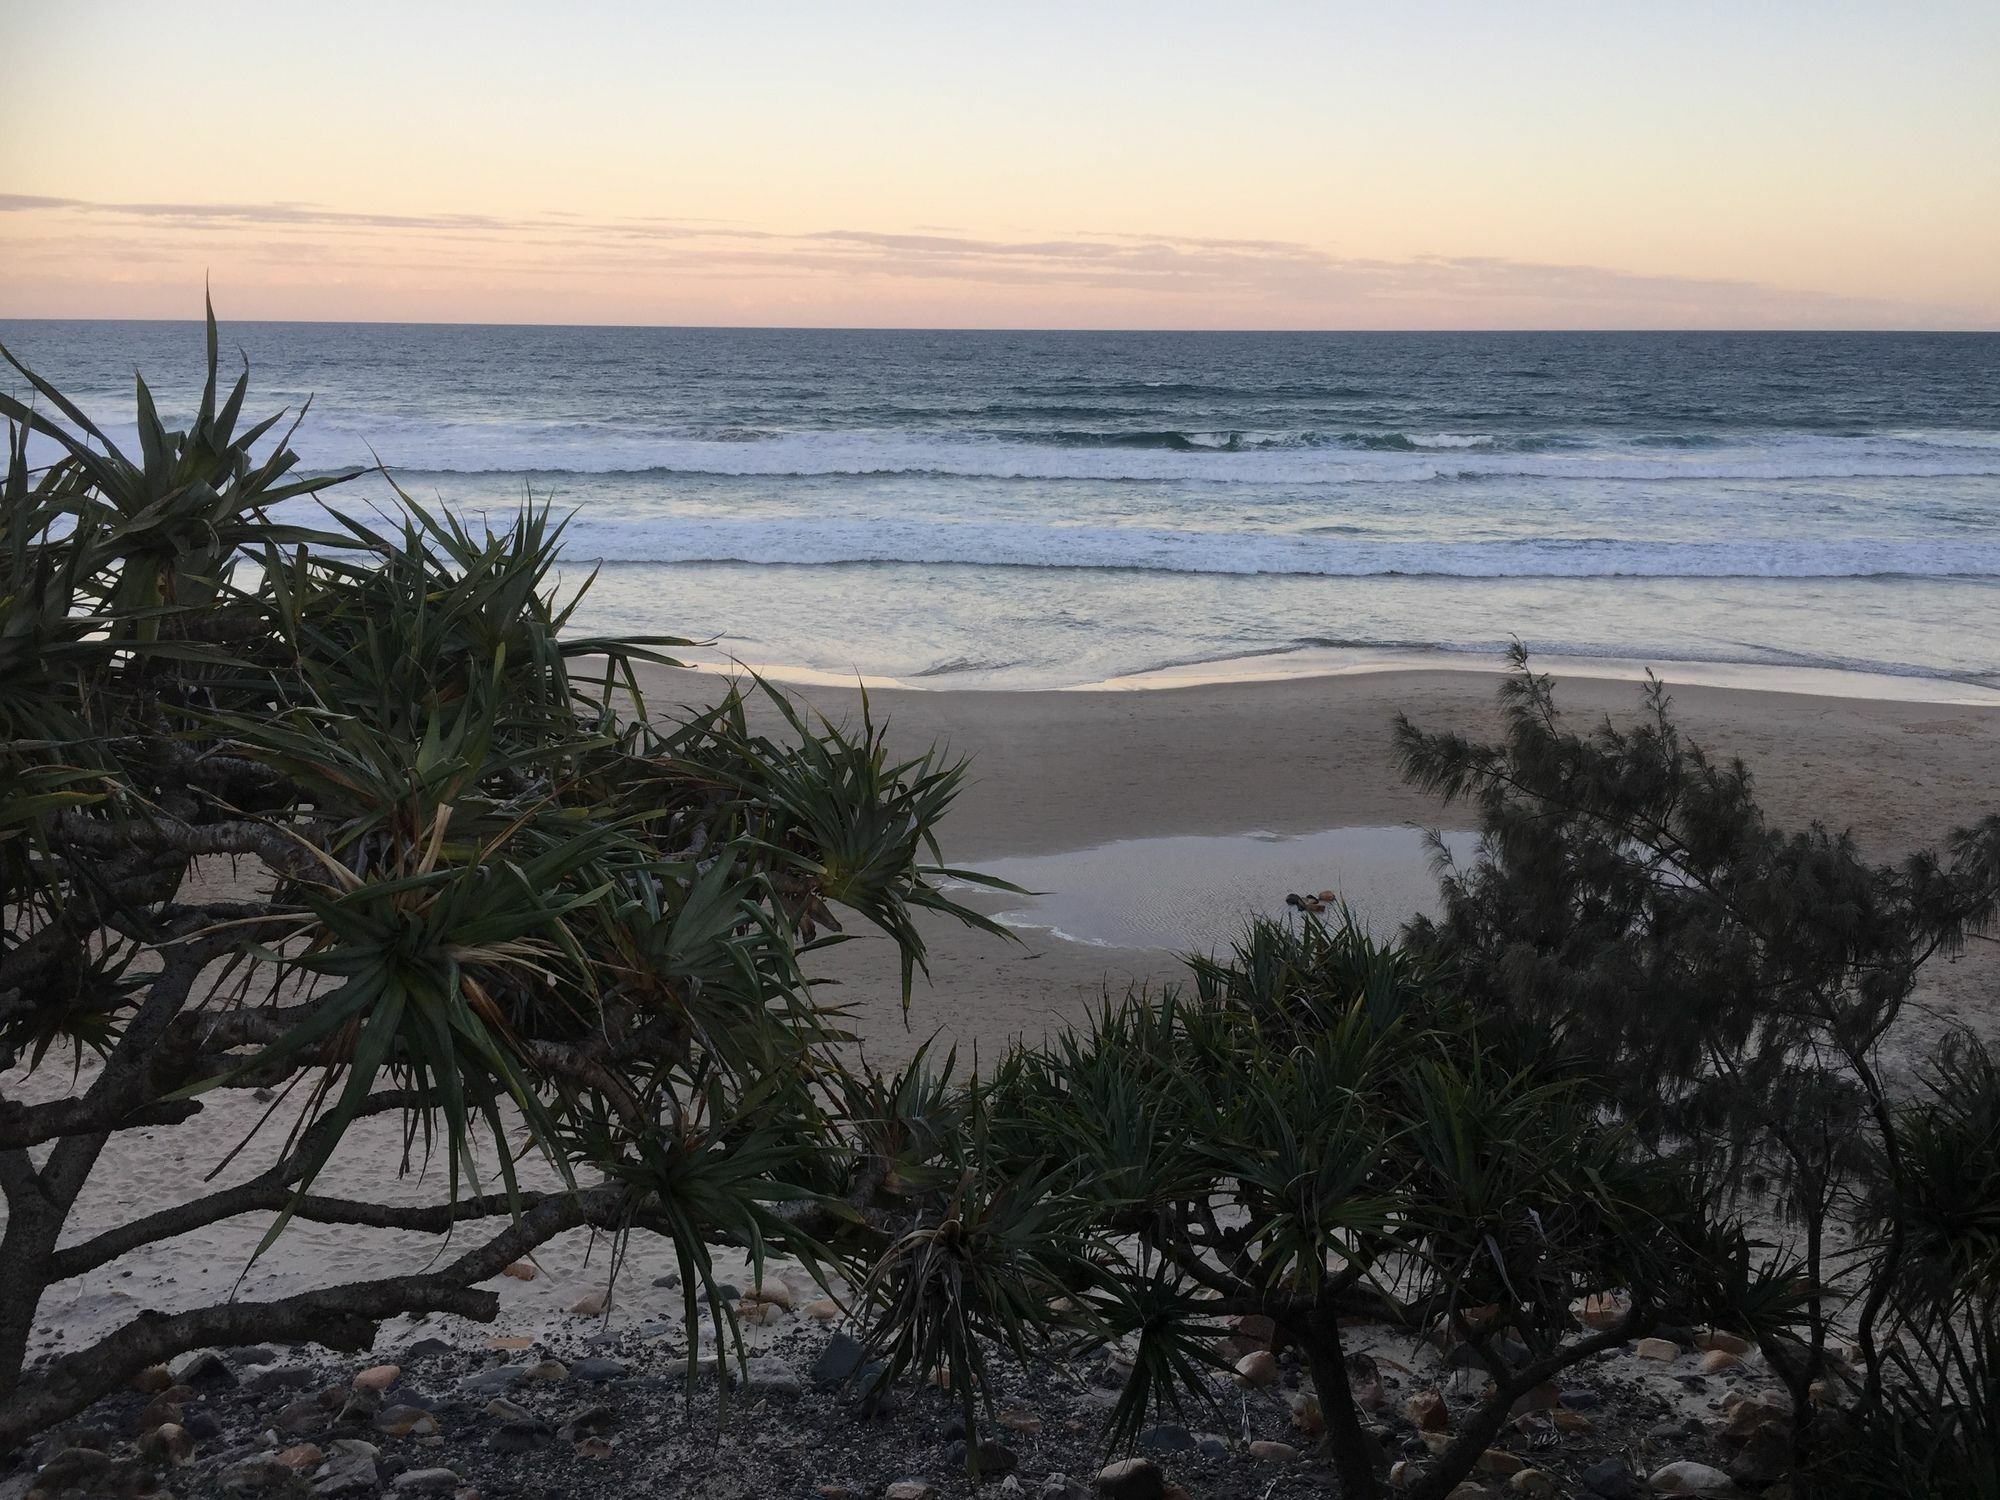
(1000, 509)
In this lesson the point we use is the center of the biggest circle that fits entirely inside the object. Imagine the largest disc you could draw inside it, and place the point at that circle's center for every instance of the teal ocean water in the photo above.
(1032, 509)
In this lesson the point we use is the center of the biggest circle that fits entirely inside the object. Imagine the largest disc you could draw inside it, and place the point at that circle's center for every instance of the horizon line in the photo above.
(1883, 330)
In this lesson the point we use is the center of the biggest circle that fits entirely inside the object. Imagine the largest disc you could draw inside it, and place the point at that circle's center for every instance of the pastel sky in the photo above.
(1246, 164)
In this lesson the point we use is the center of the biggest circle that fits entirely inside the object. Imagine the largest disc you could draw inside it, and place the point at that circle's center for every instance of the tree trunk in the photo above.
(1354, 1452)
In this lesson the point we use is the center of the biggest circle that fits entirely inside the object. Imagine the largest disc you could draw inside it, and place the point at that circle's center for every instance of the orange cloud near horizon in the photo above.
(72, 258)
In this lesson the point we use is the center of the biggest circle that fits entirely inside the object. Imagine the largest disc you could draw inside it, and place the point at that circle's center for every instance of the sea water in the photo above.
(1050, 509)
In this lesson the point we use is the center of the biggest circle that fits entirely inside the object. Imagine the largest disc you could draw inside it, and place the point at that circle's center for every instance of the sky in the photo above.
(1101, 165)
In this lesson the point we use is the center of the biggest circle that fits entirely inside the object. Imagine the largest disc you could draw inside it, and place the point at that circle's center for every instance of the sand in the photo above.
(1054, 772)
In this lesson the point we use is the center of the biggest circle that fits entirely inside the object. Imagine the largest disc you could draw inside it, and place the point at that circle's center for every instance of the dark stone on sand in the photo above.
(1167, 1438)
(427, 1349)
(251, 1354)
(1211, 1446)
(995, 1457)
(520, 1437)
(207, 1371)
(596, 1371)
(592, 1421)
(1612, 1480)
(1581, 1400)
(838, 1361)
(282, 1378)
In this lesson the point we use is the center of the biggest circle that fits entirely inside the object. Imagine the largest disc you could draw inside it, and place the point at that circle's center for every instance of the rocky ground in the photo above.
(610, 1412)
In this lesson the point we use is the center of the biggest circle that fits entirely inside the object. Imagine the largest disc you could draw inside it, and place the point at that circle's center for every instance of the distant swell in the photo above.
(1002, 544)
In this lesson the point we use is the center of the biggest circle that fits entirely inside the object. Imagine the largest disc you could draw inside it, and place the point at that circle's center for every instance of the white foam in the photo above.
(886, 539)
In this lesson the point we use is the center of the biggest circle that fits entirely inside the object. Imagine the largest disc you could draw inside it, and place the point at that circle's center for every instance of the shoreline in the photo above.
(1311, 663)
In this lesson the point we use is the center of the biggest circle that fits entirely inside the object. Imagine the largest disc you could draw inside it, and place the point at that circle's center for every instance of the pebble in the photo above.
(1610, 1479)
(1664, 1350)
(597, 1370)
(516, 1436)
(1127, 1479)
(596, 1449)
(168, 1443)
(1690, 1478)
(1532, 1482)
(773, 1292)
(301, 1456)
(1257, 1369)
(425, 1482)
(1572, 1422)
(1427, 1410)
(257, 1475)
(1167, 1438)
(838, 1360)
(1716, 1338)
(1019, 1420)
(596, 1305)
(910, 1489)
(406, 1421)
(592, 1421)
(207, 1370)
(995, 1458)
(1307, 1415)
(1720, 1362)
(770, 1376)
(153, 1379)
(1604, 1310)
(1265, 1451)
(520, 1270)
(1500, 1461)
(377, 1378)
(548, 1372)
(825, 1310)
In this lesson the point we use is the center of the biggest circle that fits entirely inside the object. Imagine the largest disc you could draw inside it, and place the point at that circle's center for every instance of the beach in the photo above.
(1055, 772)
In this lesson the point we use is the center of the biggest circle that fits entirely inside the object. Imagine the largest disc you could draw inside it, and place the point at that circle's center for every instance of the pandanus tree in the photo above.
(471, 883)
(1317, 1133)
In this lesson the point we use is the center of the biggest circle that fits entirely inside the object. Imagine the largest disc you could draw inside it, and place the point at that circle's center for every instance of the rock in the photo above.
(1728, 1343)
(596, 1305)
(592, 1421)
(1307, 1416)
(518, 1436)
(1581, 1400)
(428, 1349)
(1257, 1369)
(1572, 1422)
(346, 1474)
(1544, 1397)
(596, 1370)
(1690, 1478)
(769, 1376)
(158, 1411)
(596, 1449)
(1610, 1479)
(1211, 1445)
(1167, 1438)
(910, 1489)
(520, 1270)
(1604, 1310)
(548, 1372)
(1020, 1420)
(488, 1382)
(1500, 1461)
(425, 1482)
(152, 1380)
(282, 1378)
(406, 1421)
(207, 1371)
(1664, 1350)
(824, 1310)
(1364, 1381)
(167, 1443)
(202, 1426)
(838, 1361)
(510, 1343)
(360, 1406)
(1720, 1362)
(1765, 1459)
(1531, 1482)
(1427, 1409)
(1268, 1452)
(253, 1355)
(1468, 1489)
(1746, 1416)
(377, 1378)
(1129, 1479)
(773, 1292)
(261, 1474)
(301, 1456)
(299, 1417)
